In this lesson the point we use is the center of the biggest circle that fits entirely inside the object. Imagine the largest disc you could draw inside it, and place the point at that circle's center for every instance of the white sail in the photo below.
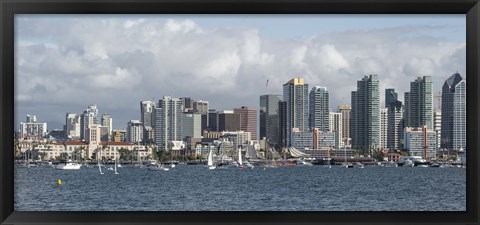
(210, 158)
(115, 162)
(239, 156)
(99, 167)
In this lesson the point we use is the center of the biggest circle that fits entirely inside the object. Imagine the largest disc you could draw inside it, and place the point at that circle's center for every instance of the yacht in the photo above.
(68, 165)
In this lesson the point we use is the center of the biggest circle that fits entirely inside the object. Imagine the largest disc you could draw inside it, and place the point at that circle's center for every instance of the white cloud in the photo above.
(117, 63)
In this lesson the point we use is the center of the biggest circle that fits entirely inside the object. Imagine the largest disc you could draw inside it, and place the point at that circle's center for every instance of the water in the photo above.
(195, 188)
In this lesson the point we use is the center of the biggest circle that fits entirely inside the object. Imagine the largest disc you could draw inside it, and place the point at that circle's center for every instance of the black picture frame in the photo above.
(9, 8)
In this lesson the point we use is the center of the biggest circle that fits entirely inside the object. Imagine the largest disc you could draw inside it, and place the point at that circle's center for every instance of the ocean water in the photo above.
(195, 188)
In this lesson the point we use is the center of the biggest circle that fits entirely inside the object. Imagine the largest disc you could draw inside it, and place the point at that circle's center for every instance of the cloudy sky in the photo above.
(65, 62)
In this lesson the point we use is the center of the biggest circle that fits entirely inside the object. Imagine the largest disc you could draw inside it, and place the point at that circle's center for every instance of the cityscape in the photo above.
(240, 112)
(297, 124)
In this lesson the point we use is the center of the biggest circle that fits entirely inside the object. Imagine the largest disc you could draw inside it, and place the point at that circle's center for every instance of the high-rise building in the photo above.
(89, 117)
(200, 106)
(167, 127)
(365, 115)
(31, 129)
(419, 103)
(147, 120)
(437, 124)
(107, 121)
(282, 123)
(269, 118)
(93, 135)
(420, 141)
(295, 94)
(454, 113)
(72, 125)
(319, 108)
(383, 127)
(345, 111)
(395, 126)
(212, 120)
(134, 131)
(336, 127)
(248, 120)
(191, 125)
(228, 121)
(390, 97)
(146, 113)
(187, 104)
(31, 118)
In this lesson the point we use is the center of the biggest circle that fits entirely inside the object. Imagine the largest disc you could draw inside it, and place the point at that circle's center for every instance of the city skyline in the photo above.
(65, 70)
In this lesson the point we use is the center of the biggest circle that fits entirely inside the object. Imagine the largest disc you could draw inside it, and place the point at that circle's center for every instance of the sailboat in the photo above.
(99, 167)
(210, 161)
(240, 158)
(116, 162)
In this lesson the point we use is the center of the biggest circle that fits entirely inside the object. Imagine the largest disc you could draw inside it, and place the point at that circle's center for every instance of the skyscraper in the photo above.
(72, 125)
(108, 122)
(365, 114)
(336, 127)
(395, 126)
(345, 111)
(282, 123)
(383, 127)
(319, 108)
(454, 113)
(390, 97)
(134, 131)
(212, 120)
(295, 94)
(437, 124)
(167, 125)
(419, 103)
(89, 117)
(269, 120)
(248, 120)
(228, 121)
(147, 120)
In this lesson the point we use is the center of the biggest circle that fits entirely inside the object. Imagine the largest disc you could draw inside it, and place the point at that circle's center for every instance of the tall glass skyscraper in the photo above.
(319, 108)
(295, 94)
(365, 114)
(269, 119)
(454, 113)
(419, 103)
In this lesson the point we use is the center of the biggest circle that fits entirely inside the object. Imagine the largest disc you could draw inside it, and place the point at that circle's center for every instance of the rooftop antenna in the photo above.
(266, 86)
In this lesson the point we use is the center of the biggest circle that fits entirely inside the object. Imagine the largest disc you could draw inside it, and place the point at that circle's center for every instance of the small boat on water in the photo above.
(68, 165)
(157, 167)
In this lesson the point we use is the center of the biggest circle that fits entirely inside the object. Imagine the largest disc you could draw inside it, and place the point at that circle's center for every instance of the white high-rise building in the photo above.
(437, 124)
(89, 117)
(383, 127)
(72, 125)
(336, 126)
(167, 126)
(147, 119)
(134, 131)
